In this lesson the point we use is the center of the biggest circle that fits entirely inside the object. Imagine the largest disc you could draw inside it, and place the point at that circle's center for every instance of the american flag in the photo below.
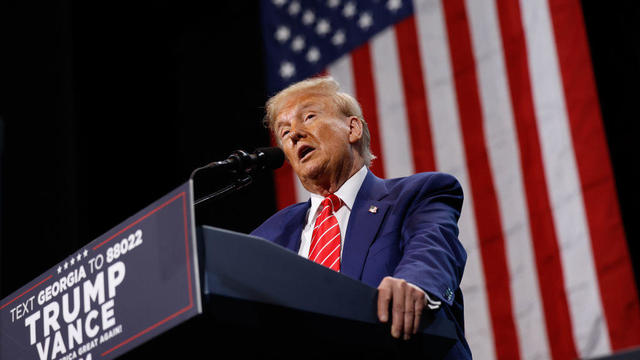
(501, 94)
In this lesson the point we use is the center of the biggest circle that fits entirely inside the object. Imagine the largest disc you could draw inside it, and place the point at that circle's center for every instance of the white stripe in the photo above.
(392, 116)
(341, 71)
(450, 157)
(325, 245)
(587, 317)
(332, 251)
(321, 236)
(503, 150)
(322, 222)
(334, 262)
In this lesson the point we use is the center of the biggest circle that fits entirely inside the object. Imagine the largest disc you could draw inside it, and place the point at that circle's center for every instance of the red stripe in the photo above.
(285, 187)
(482, 188)
(26, 291)
(543, 233)
(609, 247)
(140, 219)
(147, 330)
(366, 95)
(186, 248)
(415, 94)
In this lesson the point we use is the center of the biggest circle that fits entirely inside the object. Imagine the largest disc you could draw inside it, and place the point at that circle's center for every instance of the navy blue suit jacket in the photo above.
(413, 235)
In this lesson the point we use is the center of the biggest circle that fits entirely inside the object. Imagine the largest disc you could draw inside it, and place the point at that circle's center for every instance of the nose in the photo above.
(297, 132)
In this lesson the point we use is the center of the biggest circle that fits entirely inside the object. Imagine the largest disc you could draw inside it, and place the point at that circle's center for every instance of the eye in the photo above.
(285, 133)
(309, 116)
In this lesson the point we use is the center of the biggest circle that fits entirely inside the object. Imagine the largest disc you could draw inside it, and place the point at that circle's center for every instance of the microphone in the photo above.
(261, 159)
(245, 165)
(241, 161)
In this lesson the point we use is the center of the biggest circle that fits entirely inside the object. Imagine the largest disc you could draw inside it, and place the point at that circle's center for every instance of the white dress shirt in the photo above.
(347, 193)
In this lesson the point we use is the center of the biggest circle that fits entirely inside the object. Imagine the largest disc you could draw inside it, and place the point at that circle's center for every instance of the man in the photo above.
(398, 235)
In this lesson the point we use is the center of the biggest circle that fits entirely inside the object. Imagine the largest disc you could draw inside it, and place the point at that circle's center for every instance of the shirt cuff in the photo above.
(431, 303)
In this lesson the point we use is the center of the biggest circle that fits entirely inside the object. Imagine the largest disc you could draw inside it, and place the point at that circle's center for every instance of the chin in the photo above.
(310, 171)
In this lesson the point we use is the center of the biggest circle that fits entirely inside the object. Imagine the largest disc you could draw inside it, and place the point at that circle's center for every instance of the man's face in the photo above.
(316, 138)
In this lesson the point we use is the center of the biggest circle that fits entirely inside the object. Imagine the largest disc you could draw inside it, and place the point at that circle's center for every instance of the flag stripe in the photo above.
(450, 157)
(617, 287)
(342, 72)
(547, 252)
(504, 156)
(396, 142)
(415, 95)
(482, 186)
(581, 284)
(284, 183)
(365, 93)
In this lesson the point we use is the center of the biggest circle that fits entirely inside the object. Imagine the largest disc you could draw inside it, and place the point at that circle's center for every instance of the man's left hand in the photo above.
(407, 302)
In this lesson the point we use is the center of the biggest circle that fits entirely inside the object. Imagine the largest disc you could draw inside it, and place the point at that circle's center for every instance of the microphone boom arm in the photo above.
(236, 185)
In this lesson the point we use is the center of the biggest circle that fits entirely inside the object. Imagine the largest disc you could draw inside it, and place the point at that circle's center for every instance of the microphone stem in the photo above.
(236, 185)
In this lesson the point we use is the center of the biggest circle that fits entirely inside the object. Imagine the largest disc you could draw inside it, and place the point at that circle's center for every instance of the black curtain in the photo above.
(107, 107)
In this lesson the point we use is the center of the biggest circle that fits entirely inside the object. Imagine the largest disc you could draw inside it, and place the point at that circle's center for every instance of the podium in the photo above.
(165, 289)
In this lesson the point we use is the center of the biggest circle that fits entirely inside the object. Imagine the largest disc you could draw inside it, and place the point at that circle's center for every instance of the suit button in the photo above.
(448, 294)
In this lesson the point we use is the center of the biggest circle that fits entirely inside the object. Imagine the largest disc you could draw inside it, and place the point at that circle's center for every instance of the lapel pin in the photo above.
(373, 209)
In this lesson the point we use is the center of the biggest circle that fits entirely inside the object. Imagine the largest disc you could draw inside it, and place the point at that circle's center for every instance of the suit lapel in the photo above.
(364, 222)
(291, 231)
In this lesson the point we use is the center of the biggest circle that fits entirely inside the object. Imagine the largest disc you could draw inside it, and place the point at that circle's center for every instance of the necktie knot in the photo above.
(333, 201)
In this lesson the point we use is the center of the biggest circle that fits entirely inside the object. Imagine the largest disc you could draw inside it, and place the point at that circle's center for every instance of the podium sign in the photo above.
(132, 283)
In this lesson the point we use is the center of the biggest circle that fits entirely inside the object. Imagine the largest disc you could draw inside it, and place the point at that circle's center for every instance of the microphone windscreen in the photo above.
(273, 157)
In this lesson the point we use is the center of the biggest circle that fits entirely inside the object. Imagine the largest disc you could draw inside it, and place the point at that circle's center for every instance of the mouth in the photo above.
(303, 151)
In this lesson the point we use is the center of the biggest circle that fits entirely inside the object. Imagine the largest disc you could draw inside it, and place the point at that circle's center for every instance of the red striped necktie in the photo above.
(325, 239)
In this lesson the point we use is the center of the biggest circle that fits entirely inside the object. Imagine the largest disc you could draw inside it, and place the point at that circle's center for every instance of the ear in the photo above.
(355, 129)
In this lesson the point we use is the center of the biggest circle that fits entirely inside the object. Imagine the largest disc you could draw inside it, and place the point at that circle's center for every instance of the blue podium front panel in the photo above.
(132, 283)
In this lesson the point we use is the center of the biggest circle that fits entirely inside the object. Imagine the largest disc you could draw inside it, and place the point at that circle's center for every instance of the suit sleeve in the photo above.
(433, 257)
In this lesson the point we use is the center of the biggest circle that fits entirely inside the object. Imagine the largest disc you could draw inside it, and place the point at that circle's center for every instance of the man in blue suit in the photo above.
(398, 235)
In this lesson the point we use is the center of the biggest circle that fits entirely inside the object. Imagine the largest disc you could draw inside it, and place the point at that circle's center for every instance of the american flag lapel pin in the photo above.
(373, 209)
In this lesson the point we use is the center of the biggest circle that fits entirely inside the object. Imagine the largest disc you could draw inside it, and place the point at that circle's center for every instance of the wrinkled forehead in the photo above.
(297, 103)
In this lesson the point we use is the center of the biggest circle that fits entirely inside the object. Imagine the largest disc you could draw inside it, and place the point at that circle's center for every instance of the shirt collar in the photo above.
(347, 192)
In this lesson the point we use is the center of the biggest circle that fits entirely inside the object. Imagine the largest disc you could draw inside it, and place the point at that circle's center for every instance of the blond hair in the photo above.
(346, 104)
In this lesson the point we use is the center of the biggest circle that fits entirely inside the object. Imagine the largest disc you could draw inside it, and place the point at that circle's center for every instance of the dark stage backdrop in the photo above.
(105, 107)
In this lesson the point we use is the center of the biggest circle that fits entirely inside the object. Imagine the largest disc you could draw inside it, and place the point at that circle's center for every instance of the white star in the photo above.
(338, 38)
(84, 253)
(394, 5)
(308, 17)
(349, 10)
(365, 21)
(282, 34)
(294, 8)
(78, 257)
(313, 55)
(287, 70)
(73, 261)
(323, 27)
(59, 269)
(333, 3)
(278, 3)
(66, 265)
(297, 43)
